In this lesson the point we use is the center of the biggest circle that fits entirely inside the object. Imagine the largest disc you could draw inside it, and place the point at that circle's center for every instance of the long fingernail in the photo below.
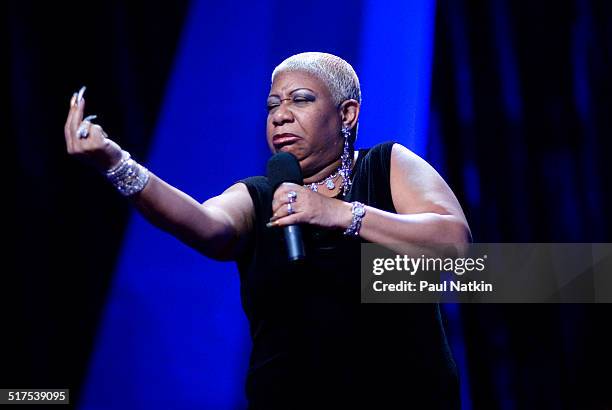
(90, 117)
(269, 224)
(80, 95)
(73, 99)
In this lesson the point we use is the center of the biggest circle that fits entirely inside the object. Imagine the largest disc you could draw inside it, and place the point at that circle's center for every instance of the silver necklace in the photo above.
(344, 170)
(328, 182)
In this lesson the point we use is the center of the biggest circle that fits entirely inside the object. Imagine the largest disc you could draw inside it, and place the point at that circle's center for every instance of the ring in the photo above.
(83, 131)
(292, 195)
(289, 208)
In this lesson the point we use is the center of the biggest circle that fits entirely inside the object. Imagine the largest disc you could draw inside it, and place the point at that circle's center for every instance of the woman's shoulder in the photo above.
(259, 189)
(385, 145)
(381, 147)
(255, 181)
(379, 152)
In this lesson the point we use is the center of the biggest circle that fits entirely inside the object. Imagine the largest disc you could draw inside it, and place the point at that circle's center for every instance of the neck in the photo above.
(323, 173)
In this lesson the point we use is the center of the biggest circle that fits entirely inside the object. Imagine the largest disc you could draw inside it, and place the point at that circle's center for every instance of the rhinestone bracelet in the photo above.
(125, 156)
(358, 210)
(129, 177)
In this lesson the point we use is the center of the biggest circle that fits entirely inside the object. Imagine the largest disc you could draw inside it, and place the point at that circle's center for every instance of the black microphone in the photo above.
(284, 167)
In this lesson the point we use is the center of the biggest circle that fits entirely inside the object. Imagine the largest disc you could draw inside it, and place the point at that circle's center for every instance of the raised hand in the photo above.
(87, 140)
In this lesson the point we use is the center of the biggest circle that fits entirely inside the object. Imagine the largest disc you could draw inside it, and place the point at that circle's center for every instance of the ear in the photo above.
(349, 113)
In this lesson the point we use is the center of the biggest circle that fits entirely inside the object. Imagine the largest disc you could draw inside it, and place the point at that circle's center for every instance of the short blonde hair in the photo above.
(337, 74)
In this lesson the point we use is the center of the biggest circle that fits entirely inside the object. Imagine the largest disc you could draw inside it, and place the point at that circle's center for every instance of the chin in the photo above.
(290, 149)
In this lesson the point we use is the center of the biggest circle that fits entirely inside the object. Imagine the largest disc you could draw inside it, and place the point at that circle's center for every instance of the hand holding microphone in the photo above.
(294, 204)
(284, 167)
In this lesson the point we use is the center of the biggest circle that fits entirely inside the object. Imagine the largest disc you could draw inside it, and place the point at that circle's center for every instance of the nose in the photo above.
(282, 114)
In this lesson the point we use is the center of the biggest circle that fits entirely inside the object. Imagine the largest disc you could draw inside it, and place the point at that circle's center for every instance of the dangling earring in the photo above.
(345, 168)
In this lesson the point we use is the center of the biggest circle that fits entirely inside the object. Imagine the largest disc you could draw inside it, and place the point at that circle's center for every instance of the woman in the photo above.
(312, 339)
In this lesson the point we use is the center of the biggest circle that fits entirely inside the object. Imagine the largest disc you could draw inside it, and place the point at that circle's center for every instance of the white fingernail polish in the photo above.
(80, 95)
(90, 117)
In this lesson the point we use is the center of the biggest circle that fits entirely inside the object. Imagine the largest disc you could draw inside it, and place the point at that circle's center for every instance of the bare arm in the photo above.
(427, 210)
(217, 228)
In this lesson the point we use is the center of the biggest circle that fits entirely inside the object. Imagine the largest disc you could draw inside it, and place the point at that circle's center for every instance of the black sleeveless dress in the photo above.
(314, 344)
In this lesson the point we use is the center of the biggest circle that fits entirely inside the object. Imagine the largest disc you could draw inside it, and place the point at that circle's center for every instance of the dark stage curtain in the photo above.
(521, 126)
(54, 282)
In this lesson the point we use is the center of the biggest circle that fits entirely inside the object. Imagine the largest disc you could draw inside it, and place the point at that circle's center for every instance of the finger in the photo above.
(67, 131)
(285, 221)
(277, 201)
(286, 187)
(281, 196)
(84, 127)
(72, 104)
(279, 205)
(80, 95)
(70, 111)
(283, 211)
(79, 108)
(74, 121)
(282, 204)
(83, 130)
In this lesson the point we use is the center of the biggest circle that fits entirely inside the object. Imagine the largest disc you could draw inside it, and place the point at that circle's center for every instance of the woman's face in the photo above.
(303, 120)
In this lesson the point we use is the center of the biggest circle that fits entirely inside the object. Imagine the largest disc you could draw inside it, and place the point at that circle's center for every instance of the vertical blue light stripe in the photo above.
(396, 62)
(173, 335)
(396, 58)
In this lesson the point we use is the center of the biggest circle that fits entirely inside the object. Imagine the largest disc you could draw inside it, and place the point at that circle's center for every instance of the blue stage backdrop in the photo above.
(173, 335)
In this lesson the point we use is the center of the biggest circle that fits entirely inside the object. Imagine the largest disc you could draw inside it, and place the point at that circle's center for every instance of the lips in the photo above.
(281, 140)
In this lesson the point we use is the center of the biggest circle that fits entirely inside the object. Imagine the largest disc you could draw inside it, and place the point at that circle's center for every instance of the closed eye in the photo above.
(298, 99)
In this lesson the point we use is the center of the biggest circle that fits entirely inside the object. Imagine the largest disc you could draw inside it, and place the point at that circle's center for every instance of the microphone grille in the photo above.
(284, 167)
